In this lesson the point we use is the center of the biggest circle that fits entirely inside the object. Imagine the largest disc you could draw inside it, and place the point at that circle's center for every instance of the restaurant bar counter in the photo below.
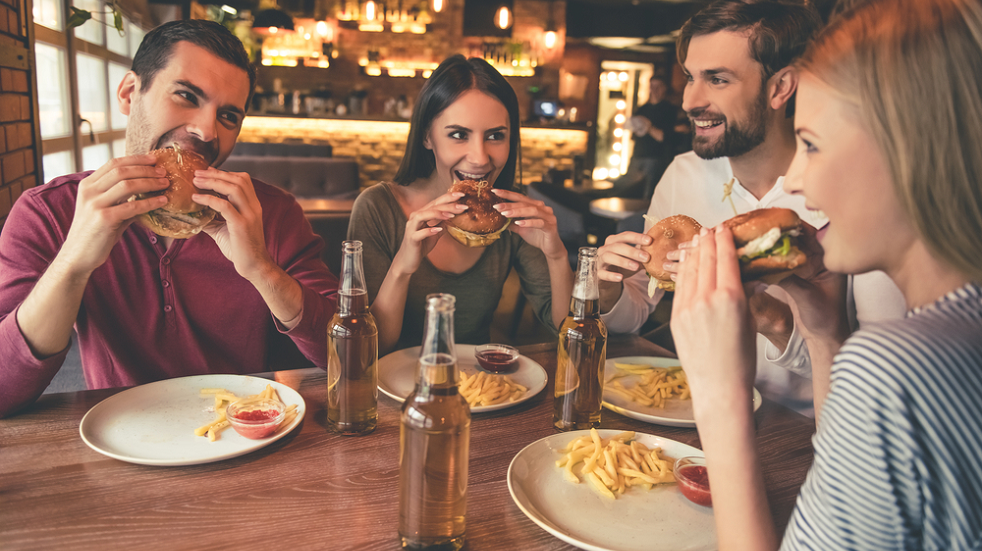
(379, 145)
(312, 489)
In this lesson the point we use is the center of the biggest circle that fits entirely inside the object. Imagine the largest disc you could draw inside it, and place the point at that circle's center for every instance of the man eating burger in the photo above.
(147, 306)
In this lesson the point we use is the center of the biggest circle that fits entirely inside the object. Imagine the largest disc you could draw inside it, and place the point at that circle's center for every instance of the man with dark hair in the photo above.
(738, 57)
(147, 307)
(653, 129)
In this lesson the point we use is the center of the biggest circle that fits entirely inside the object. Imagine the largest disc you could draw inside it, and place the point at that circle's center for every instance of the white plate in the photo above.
(660, 518)
(676, 413)
(397, 374)
(154, 424)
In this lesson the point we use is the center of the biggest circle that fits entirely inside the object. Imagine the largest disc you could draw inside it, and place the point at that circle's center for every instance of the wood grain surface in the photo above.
(311, 490)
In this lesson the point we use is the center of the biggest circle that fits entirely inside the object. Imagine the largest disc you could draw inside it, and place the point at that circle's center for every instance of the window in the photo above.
(78, 72)
(52, 74)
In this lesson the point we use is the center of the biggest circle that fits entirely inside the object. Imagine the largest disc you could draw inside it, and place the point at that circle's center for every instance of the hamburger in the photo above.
(767, 243)
(666, 236)
(180, 217)
(479, 225)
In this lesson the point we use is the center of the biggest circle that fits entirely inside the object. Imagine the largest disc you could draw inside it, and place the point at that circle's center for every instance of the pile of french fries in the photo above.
(657, 384)
(484, 389)
(223, 398)
(614, 465)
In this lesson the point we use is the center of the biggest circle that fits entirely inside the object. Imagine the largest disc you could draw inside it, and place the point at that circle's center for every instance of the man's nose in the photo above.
(204, 125)
(694, 97)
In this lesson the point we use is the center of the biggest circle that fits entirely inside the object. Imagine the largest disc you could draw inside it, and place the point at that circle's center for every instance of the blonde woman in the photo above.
(889, 122)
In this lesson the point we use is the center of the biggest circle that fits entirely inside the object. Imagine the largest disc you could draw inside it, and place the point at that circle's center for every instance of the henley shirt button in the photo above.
(166, 261)
(168, 308)
(153, 239)
(165, 283)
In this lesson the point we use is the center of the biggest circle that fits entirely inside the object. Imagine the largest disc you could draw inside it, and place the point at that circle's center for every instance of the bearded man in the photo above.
(739, 96)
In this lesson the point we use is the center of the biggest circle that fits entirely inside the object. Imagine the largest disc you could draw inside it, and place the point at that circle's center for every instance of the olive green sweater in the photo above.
(379, 223)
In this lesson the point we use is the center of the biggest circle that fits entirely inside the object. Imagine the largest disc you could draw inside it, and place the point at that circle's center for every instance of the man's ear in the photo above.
(781, 87)
(127, 89)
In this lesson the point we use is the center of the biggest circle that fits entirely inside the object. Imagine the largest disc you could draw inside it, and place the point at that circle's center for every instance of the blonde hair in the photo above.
(913, 70)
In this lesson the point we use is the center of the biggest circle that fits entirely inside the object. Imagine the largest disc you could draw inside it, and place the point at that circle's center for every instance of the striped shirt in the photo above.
(898, 452)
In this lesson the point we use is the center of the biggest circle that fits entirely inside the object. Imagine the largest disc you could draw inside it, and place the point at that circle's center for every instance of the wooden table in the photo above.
(618, 208)
(312, 489)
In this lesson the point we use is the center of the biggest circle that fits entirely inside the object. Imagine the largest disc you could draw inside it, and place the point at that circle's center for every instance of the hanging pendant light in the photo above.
(503, 18)
(272, 21)
(437, 6)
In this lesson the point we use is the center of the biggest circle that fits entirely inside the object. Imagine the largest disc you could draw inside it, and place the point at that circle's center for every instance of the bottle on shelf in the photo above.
(582, 352)
(352, 352)
(434, 440)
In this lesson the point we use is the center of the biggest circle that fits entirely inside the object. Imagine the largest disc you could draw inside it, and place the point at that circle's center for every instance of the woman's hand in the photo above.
(711, 326)
(423, 229)
(533, 221)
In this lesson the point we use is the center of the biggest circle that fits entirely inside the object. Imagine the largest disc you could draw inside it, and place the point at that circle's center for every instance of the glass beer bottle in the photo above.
(352, 352)
(582, 352)
(434, 440)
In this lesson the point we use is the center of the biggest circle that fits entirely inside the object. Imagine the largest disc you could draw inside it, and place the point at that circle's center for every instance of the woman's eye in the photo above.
(458, 135)
(497, 136)
(809, 148)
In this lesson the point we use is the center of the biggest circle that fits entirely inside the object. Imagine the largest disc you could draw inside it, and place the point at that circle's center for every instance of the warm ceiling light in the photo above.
(370, 10)
(230, 10)
(550, 39)
(502, 18)
(272, 21)
(438, 5)
(321, 28)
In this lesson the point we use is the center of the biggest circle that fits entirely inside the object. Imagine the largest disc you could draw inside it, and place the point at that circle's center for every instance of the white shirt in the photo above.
(695, 187)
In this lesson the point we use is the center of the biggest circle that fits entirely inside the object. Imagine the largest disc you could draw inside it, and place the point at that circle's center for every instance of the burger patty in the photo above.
(190, 218)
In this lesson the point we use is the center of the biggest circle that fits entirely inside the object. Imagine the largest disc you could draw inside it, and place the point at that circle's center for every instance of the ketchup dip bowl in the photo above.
(497, 358)
(693, 480)
(255, 419)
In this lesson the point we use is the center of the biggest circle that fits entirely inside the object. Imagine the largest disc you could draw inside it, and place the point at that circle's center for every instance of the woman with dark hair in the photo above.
(465, 126)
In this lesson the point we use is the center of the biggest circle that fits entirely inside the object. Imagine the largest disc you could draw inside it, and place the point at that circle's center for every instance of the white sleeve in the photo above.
(633, 307)
(795, 357)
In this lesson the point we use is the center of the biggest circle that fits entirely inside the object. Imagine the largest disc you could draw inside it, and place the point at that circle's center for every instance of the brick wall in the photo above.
(379, 146)
(18, 155)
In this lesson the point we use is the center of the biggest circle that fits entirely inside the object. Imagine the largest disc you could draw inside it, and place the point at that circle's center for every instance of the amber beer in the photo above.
(582, 352)
(352, 352)
(434, 441)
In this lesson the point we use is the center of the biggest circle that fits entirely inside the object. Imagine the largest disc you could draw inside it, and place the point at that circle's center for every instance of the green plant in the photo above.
(80, 16)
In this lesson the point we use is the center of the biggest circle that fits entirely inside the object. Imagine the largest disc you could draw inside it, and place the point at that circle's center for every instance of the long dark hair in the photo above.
(452, 78)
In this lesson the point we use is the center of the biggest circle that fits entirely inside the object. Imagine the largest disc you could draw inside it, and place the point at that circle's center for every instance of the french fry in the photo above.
(655, 385)
(614, 465)
(222, 400)
(483, 389)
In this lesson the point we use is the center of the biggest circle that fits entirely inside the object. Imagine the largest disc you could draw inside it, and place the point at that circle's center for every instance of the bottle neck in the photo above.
(437, 355)
(352, 303)
(352, 292)
(580, 308)
(437, 374)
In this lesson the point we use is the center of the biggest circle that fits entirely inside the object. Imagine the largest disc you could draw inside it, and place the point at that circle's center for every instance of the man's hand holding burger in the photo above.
(620, 257)
(102, 214)
(240, 237)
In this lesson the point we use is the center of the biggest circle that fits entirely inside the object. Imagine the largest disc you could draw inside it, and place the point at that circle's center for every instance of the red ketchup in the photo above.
(693, 480)
(497, 362)
(254, 427)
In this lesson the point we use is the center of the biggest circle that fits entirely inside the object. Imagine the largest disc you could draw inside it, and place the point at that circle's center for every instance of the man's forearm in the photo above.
(610, 293)
(47, 315)
(282, 294)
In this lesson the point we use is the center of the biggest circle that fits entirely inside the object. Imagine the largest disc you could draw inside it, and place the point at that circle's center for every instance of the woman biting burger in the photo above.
(456, 178)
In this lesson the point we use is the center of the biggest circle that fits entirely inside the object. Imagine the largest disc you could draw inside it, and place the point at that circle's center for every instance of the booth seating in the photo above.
(307, 171)
(325, 186)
